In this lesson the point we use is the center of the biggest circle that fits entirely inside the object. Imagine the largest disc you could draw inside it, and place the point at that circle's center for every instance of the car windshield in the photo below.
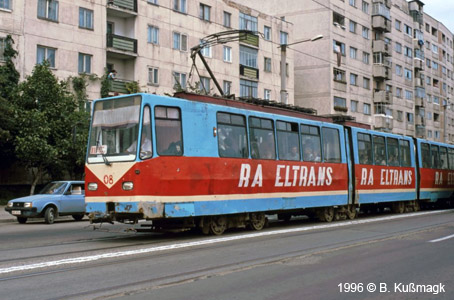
(114, 130)
(54, 188)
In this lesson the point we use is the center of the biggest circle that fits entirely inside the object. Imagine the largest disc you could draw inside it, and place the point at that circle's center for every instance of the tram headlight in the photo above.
(28, 204)
(92, 186)
(128, 185)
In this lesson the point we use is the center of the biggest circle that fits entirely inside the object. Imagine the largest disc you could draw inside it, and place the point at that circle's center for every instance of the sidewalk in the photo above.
(5, 216)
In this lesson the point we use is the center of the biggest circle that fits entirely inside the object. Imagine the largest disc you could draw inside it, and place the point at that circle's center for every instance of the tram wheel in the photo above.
(217, 225)
(327, 214)
(398, 207)
(257, 221)
(351, 212)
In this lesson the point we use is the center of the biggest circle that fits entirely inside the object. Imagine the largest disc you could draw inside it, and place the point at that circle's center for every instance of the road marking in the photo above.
(89, 258)
(442, 239)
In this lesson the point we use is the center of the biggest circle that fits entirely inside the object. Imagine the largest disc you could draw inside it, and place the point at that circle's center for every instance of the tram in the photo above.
(214, 164)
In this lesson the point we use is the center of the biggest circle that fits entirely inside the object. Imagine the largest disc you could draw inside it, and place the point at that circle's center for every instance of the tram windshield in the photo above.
(114, 130)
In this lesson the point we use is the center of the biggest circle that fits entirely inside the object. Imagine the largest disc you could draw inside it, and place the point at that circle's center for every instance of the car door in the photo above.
(73, 200)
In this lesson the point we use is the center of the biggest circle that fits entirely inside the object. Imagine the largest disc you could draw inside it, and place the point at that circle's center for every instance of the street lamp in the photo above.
(284, 63)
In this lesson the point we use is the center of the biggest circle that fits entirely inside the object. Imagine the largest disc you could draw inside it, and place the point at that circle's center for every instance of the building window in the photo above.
(339, 75)
(399, 70)
(366, 109)
(352, 26)
(248, 56)
(365, 32)
(153, 35)
(5, 4)
(248, 22)
(45, 53)
(267, 94)
(339, 47)
(205, 11)
(153, 2)
(398, 24)
(227, 19)
(340, 102)
(205, 51)
(204, 85)
(248, 89)
(353, 52)
(398, 92)
(408, 51)
(365, 7)
(353, 79)
(408, 30)
(179, 81)
(179, 5)
(410, 118)
(153, 76)
(227, 87)
(267, 64)
(180, 41)
(84, 63)
(352, 3)
(48, 9)
(267, 33)
(408, 74)
(366, 58)
(85, 18)
(227, 54)
(408, 95)
(354, 106)
(283, 38)
(366, 83)
(2, 48)
(400, 116)
(338, 20)
(398, 47)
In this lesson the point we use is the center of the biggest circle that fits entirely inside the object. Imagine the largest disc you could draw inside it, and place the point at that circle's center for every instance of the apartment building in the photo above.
(150, 41)
(374, 63)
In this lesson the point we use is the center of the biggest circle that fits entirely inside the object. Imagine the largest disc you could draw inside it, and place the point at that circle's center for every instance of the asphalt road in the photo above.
(372, 257)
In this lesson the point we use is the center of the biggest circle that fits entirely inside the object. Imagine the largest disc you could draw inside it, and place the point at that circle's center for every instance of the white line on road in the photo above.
(442, 239)
(89, 258)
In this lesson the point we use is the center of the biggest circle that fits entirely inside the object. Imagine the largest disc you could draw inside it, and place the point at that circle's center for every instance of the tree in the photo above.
(9, 78)
(47, 113)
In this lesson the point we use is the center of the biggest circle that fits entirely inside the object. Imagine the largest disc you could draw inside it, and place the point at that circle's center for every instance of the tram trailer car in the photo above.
(193, 164)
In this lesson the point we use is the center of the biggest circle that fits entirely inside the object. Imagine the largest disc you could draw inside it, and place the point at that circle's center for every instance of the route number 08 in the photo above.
(108, 179)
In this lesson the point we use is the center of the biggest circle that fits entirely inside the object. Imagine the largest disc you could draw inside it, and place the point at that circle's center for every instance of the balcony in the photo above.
(420, 121)
(122, 8)
(418, 17)
(382, 71)
(421, 131)
(121, 45)
(382, 46)
(419, 83)
(381, 23)
(118, 86)
(419, 101)
(383, 97)
(387, 3)
(250, 39)
(249, 72)
(383, 122)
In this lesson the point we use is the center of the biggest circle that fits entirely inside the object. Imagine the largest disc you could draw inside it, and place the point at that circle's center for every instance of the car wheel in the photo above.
(50, 215)
(21, 220)
(78, 217)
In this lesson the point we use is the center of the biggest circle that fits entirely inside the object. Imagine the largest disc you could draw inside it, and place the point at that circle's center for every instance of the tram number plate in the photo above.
(16, 212)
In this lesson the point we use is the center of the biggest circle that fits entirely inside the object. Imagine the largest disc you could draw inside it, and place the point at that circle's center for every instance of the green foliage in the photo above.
(106, 85)
(9, 77)
(132, 87)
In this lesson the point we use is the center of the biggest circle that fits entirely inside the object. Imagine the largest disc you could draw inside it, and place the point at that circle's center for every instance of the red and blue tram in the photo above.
(217, 163)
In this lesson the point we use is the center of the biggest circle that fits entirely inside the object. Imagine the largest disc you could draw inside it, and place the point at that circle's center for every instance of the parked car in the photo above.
(58, 198)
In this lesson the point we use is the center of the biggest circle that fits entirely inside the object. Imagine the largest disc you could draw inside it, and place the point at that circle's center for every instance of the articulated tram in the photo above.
(213, 164)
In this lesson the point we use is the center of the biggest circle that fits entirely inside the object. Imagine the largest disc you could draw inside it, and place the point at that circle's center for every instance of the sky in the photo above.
(441, 10)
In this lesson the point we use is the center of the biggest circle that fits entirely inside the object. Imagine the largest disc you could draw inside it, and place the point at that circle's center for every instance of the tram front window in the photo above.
(114, 131)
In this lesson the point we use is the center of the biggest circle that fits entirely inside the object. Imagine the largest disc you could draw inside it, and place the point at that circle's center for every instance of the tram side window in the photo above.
(232, 136)
(364, 149)
(451, 158)
(379, 151)
(331, 145)
(145, 140)
(393, 152)
(405, 155)
(287, 140)
(310, 139)
(425, 155)
(262, 140)
(435, 155)
(443, 158)
(169, 140)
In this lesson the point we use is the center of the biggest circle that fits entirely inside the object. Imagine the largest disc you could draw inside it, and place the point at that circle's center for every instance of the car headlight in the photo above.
(10, 204)
(28, 204)
(92, 186)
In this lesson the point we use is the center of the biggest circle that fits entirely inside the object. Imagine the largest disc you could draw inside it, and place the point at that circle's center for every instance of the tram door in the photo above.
(350, 166)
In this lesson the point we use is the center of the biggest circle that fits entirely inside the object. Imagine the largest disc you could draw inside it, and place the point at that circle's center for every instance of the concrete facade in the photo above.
(115, 34)
(383, 76)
